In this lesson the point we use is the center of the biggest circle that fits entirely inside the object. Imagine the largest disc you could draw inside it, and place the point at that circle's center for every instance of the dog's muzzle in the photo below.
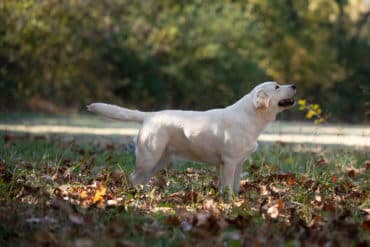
(286, 102)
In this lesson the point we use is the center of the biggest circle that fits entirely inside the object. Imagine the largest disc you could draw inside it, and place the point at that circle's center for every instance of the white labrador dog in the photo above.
(219, 136)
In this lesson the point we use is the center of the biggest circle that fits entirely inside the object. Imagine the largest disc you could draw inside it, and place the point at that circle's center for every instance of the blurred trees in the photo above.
(193, 54)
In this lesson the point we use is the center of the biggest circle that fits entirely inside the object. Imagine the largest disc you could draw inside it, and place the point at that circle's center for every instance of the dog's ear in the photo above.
(261, 99)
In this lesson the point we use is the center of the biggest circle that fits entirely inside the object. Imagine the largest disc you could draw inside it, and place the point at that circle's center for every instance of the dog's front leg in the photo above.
(236, 185)
(219, 176)
(227, 177)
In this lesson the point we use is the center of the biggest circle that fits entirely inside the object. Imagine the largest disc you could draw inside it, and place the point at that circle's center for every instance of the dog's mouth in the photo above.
(286, 102)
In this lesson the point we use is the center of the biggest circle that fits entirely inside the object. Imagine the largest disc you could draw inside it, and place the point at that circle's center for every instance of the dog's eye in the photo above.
(276, 87)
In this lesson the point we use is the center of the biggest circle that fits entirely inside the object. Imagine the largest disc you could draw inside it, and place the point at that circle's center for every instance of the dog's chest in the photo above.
(239, 146)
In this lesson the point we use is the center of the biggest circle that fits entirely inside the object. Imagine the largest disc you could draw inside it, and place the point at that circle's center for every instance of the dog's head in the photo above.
(272, 97)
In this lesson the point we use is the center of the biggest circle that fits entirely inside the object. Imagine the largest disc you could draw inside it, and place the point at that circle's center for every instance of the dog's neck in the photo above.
(262, 116)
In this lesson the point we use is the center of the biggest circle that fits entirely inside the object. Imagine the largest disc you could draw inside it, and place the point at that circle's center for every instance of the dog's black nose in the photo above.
(294, 87)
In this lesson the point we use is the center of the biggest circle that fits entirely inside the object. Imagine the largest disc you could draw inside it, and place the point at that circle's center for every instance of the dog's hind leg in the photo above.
(144, 169)
(163, 163)
(148, 156)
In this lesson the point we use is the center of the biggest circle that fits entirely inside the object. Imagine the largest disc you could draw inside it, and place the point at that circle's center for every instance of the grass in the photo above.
(85, 119)
(65, 193)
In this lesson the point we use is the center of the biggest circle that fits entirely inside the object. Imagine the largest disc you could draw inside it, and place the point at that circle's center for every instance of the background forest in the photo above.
(60, 55)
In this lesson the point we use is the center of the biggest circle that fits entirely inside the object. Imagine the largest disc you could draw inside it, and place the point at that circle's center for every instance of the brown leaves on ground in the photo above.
(5, 175)
(95, 194)
(353, 172)
(9, 137)
(184, 197)
(274, 208)
(74, 203)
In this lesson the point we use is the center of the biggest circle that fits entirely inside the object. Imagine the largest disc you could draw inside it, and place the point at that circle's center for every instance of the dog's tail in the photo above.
(118, 113)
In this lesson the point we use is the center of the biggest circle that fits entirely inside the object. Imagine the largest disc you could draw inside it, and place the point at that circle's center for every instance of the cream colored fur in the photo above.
(224, 137)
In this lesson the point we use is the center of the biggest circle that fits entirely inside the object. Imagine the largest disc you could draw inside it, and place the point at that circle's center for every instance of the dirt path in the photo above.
(288, 133)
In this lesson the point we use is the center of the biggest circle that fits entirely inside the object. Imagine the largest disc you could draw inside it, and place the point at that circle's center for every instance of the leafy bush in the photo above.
(196, 54)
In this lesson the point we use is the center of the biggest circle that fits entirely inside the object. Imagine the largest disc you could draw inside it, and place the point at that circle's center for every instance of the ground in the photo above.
(61, 191)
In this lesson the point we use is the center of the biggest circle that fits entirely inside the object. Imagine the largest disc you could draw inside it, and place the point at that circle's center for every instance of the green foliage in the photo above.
(312, 111)
(193, 54)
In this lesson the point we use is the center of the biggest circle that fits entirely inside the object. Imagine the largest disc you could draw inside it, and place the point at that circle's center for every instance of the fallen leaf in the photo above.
(352, 171)
(281, 176)
(110, 146)
(99, 194)
(172, 220)
(39, 137)
(112, 202)
(175, 198)
(365, 211)
(273, 211)
(367, 164)
(321, 161)
(209, 204)
(189, 170)
(263, 190)
(83, 195)
(329, 206)
(68, 173)
(273, 208)
(278, 190)
(13, 137)
(191, 196)
(366, 225)
(291, 181)
(314, 221)
(281, 143)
